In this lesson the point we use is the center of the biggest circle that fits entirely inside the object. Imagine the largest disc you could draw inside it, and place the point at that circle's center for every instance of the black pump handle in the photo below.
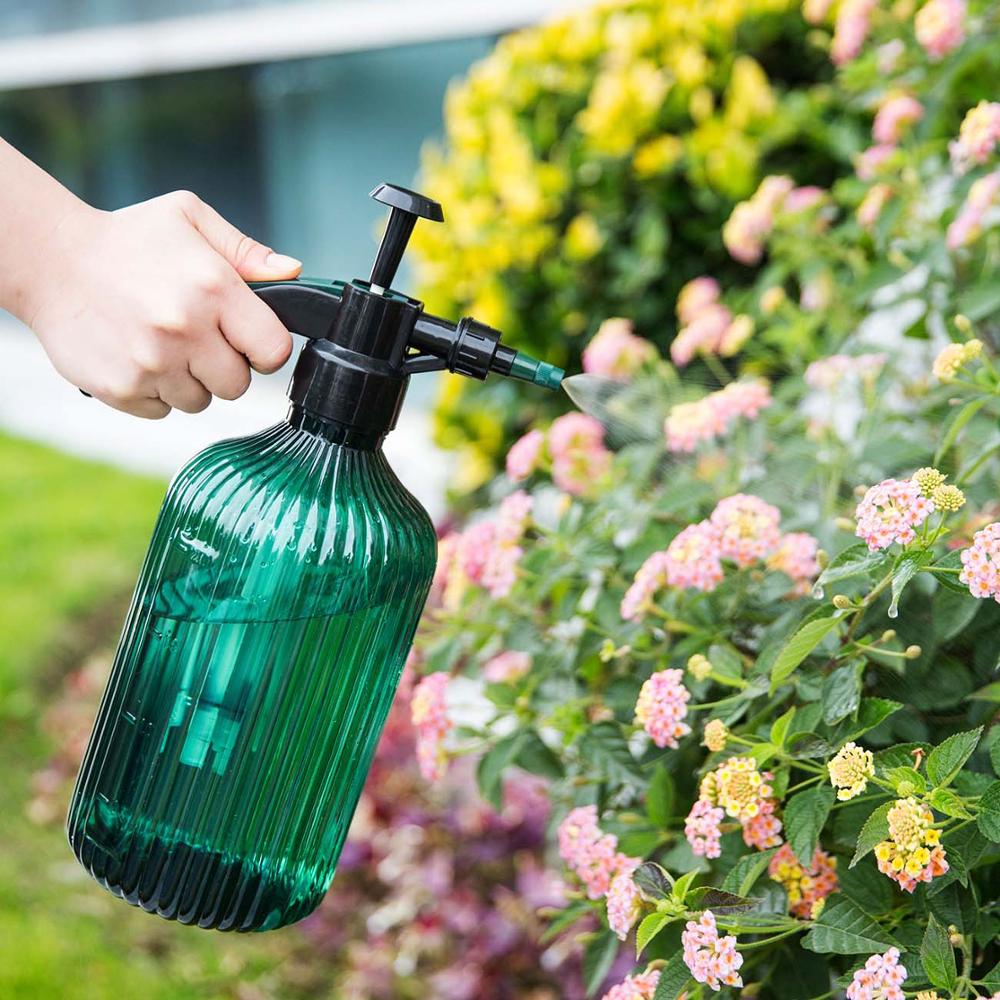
(405, 208)
(305, 307)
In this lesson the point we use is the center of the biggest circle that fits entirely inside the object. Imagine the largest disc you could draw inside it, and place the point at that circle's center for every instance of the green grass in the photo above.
(72, 536)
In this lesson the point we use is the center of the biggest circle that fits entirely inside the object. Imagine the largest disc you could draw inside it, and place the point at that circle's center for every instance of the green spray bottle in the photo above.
(272, 618)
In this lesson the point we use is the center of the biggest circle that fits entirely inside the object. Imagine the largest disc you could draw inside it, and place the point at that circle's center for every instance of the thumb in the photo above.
(251, 260)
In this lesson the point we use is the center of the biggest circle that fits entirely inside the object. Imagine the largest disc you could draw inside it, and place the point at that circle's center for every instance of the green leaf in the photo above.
(905, 569)
(843, 928)
(805, 814)
(946, 760)
(649, 927)
(536, 758)
(906, 775)
(674, 978)
(937, 955)
(604, 748)
(995, 753)
(660, 798)
(683, 884)
(489, 773)
(872, 712)
(954, 426)
(981, 300)
(740, 879)
(720, 902)
(947, 801)
(855, 560)
(988, 819)
(875, 830)
(779, 728)
(565, 919)
(992, 979)
(806, 746)
(653, 881)
(801, 644)
(950, 581)
(989, 693)
(598, 957)
(841, 693)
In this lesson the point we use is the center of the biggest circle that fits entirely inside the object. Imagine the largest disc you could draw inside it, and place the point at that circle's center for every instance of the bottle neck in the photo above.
(333, 431)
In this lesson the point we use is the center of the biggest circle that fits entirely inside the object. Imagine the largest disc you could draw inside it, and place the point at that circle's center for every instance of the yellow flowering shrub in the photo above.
(587, 167)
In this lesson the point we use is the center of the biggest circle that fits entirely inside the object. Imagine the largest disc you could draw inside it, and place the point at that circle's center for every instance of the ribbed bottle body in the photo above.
(257, 665)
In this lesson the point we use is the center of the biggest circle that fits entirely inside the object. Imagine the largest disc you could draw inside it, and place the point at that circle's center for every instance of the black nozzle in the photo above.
(406, 207)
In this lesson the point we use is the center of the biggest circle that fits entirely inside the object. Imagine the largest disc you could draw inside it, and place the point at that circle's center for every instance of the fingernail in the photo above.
(282, 262)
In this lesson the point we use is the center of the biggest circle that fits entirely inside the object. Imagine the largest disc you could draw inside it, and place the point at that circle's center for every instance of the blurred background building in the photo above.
(281, 114)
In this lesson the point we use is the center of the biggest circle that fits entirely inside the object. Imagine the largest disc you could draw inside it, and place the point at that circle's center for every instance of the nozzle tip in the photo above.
(549, 376)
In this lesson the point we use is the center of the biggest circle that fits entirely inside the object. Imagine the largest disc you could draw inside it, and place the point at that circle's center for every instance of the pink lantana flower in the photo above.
(795, 556)
(579, 458)
(981, 563)
(890, 511)
(747, 528)
(591, 854)
(978, 136)
(641, 986)
(524, 455)
(713, 960)
(851, 30)
(895, 114)
(881, 978)
(624, 901)
(940, 26)
(616, 352)
(968, 223)
(662, 707)
(702, 829)
(506, 667)
(430, 718)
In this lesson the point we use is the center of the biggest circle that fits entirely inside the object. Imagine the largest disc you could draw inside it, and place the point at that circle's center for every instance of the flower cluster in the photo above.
(702, 829)
(796, 556)
(715, 736)
(525, 455)
(827, 373)
(850, 770)
(713, 960)
(662, 708)
(744, 793)
(579, 458)
(977, 137)
(895, 113)
(506, 667)
(742, 529)
(881, 978)
(487, 553)
(641, 986)
(624, 900)
(690, 424)
(748, 528)
(940, 27)
(616, 352)
(890, 511)
(981, 563)
(967, 224)
(590, 853)
(805, 885)
(954, 358)
(706, 325)
(751, 222)
(851, 30)
(913, 853)
(429, 715)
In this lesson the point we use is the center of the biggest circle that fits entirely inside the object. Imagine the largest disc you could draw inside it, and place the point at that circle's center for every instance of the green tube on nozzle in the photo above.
(529, 369)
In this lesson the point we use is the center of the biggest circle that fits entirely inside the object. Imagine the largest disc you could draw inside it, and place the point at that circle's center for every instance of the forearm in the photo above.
(33, 207)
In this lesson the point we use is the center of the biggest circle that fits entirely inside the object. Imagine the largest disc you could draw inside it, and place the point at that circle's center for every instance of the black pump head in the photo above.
(405, 208)
(368, 339)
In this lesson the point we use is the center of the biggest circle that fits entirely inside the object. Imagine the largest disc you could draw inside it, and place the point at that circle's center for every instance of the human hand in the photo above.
(147, 308)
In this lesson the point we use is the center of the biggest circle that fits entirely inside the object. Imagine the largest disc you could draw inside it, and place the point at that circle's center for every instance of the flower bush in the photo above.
(757, 637)
(587, 168)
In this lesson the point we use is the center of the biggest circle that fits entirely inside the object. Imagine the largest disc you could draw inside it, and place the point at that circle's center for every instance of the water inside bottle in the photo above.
(226, 735)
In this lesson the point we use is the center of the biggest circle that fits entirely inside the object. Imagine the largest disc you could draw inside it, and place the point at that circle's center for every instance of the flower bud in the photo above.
(822, 558)
(913, 652)
(962, 323)
(845, 523)
(888, 635)
(842, 602)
